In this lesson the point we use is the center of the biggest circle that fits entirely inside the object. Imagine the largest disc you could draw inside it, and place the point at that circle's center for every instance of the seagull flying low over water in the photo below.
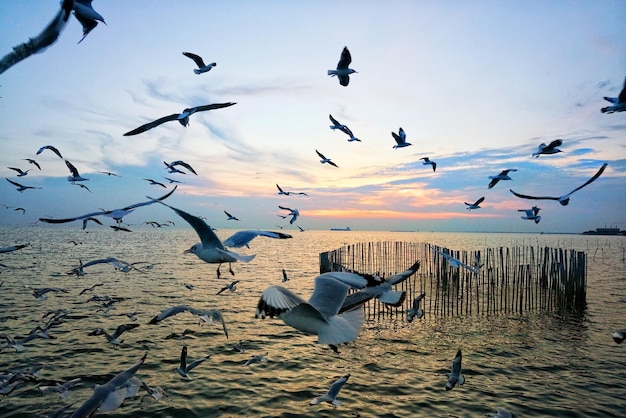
(294, 213)
(503, 175)
(343, 128)
(319, 315)
(415, 310)
(116, 214)
(120, 265)
(51, 148)
(75, 176)
(428, 162)
(563, 200)
(171, 167)
(455, 376)
(20, 172)
(325, 160)
(619, 102)
(87, 16)
(202, 67)
(476, 204)
(182, 118)
(210, 249)
(551, 148)
(241, 238)
(114, 338)
(258, 358)
(206, 315)
(343, 72)
(62, 389)
(185, 368)
(400, 138)
(13, 248)
(21, 187)
(531, 214)
(331, 395)
(284, 193)
(232, 287)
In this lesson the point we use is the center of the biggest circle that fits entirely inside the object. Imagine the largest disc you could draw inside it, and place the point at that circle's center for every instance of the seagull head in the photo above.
(195, 249)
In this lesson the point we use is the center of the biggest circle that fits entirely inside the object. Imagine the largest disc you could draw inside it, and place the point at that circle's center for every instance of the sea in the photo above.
(532, 364)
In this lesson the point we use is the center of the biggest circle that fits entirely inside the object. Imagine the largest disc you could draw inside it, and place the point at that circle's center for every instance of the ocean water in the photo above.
(538, 364)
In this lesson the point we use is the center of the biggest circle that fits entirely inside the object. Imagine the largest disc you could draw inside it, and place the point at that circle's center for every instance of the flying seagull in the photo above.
(155, 183)
(20, 172)
(343, 72)
(33, 162)
(551, 148)
(455, 377)
(202, 67)
(51, 148)
(182, 118)
(231, 217)
(241, 238)
(456, 263)
(62, 389)
(428, 162)
(284, 193)
(211, 315)
(319, 316)
(563, 200)
(13, 248)
(415, 310)
(325, 160)
(210, 249)
(503, 175)
(331, 395)
(75, 175)
(619, 102)
(232, 287)
(171, 167)
(114, 338)
(185, 368)
(476, 204)
(400, 138)
(343, 128)
(116, 214)
(294, 213)
(21, 187)
(531, 214)
(87, 16)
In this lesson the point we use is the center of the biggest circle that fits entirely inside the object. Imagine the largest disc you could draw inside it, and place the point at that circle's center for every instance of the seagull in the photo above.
(325, 160)
(51, 148)
(456, 263)
(231, 217)
(563, 200)
(415, 310)
(503, 175)
(20, 187)
(108, 173)
(212, 315)
(96, 220)
(116, 214)
(182, 118)
(239, 347)
(619, 102)
(156, 392)
(171, 180)
(186, 333)
(400, 138)
(455, 377)
(259, 358)
(619, 336)
(75, 176)
(343, 128)
(202, 67)
(294, 213)
(319, 316)
(40, 293)
(284, 193)
(102, 393)
(185, 368)
(90, 289)
(155, 183)
(501, 413)
(33, 162)
(13, 248)
(428, 162)
(62, 389)
(87, 16)
(285, 278)
(476, 204)
(331, 395)
(82, 186)
(232, 287)
(241, 238)
(114, 339)
(18, 344)
(210, 249)
(551, 148)
(120, 265)
(531, 214)
(20, 172)
(172, 167)
(343, 72)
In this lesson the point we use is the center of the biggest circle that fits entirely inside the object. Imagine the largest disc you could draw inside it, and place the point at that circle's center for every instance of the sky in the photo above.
(476, 86)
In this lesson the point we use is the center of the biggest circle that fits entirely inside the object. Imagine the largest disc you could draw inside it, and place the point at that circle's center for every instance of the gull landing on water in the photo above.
(182, 118)
(619, 102)
(563, 200)
(531, 214)
(400, 138)
(202, 67)
(343, 72)
(551, 148)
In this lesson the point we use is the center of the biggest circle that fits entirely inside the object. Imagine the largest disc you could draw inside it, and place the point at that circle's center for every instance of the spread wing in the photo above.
(345, 59)
(153, 124)
(524, 196)
(213, 106)
(196, 58)
(277, 300)
(592, 179)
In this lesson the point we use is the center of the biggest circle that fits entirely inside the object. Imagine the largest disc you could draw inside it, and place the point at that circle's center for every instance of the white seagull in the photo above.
(400, 138)
(241, 238)
(415, 310)
(185, 368)
(206, 315)
(563, 200)
(75, 176)
(456, 263)
(619, 102)
(62, 389)
(210, 249)
(476, 204)
(171, 167)
(325, 160)
(259, 358)
(87, 16)
(319, 316)
(294, 213)
(428, 162)
(51, 148)
(331, 395)
(182, 118)
(116, 214)
(549, 149)
(120, 265)
(455, 376)
(343, 72)
(202, 67)
(531, 214)
(21, 187)
(343, 128)
(503, 175)
(114, 338)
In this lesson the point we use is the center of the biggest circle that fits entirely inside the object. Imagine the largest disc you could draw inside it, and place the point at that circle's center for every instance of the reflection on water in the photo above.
(537, 364)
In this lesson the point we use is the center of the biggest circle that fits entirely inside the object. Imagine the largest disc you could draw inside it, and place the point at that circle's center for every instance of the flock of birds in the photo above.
(333, 312)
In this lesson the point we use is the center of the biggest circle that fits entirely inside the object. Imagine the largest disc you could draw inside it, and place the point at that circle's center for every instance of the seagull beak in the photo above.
(187, 251)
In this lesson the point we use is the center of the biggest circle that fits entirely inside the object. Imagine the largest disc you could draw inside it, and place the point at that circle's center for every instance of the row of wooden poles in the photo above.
(502, 280)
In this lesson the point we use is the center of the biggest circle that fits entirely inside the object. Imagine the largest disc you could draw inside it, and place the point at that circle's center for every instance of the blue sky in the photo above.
(477, 86)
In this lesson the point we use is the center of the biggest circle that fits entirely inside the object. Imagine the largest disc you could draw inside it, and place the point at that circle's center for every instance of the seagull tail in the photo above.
(196, 71)
(332, 72)
(341, 328)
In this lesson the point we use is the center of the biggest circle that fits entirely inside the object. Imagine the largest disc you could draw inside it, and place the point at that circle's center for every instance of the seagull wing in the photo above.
(51, 148)
(320, 155)
(554, 144)
(400, 277)
(328, 295)
(72, 168)
(345, 60)
(592, 179)
(622, 95)
(204, 231)
(524, 196)
(285, 208)
(397, 138)
(337, 385)
(277, 300)
(13, 182)
(184, 164)
(196, 58)
(493, 182)
(333, 164)
(153, 124)
(213, 106)
(334, 121)
(479, 201)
